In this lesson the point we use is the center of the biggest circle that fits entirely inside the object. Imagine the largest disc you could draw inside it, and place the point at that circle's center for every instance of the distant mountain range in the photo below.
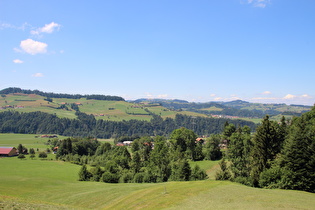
(237, 108)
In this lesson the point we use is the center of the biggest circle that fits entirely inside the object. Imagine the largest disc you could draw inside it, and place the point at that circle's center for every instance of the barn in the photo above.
(8, 151)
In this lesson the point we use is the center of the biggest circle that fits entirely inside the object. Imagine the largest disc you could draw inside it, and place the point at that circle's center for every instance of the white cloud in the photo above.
(305, 96)
(48, 28)
(212, 95)
(304, 99)
(38, 75)
(17, 61)
(218, 99)
(32, 47)
(289, 96)
(235, 98)
(266, 93)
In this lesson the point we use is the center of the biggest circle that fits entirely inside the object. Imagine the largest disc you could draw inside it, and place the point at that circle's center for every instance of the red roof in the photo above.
(5, 150)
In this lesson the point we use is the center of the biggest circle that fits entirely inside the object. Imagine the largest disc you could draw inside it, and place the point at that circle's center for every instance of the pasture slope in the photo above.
(50, 184)
(101, 109)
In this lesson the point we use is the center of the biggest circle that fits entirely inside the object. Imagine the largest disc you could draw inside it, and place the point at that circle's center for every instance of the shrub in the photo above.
(110, 177)
(42, 155)
(21, 156)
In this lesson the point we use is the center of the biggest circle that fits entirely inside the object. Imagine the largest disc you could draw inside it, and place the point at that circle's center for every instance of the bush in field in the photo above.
(32, 156)
(42, 155)
(21, 156)
(84, 174)
(110, 177)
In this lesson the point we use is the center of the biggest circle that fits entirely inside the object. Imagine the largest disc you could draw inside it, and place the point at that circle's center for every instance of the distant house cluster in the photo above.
(224, 116)
(47, 136)
(124, 143)
(12, 107)
(129, 143)
(97, 115)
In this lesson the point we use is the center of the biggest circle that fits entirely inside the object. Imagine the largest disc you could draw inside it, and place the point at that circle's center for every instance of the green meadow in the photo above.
(27, 140)
(50, 184)
(106, 110)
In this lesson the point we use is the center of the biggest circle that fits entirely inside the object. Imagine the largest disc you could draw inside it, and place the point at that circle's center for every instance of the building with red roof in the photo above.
(8, 151)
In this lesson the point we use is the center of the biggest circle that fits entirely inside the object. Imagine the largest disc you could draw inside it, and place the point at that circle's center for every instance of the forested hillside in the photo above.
(60, 95)
(87, 125)
(277, 156)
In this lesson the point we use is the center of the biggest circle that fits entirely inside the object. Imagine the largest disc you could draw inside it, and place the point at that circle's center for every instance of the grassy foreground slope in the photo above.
(40, 184)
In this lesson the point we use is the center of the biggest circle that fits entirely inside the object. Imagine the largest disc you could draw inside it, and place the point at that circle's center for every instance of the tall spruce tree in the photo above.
(298, 159)
(267, 145)
(239, 154)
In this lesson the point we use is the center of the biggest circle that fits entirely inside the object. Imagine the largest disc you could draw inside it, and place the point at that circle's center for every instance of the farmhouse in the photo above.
(200, 140)
(8, 151)
(127, 143)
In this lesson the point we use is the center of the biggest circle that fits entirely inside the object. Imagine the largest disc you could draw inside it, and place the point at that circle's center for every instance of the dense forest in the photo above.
(278, 155)
(87, 125)
(61, 95)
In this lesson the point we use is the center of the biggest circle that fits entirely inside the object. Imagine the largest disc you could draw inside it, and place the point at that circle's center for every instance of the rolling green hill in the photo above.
(234, 109)
(115, 108)
(101, 109)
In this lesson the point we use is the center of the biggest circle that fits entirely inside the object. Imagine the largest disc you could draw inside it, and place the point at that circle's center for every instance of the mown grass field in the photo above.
(38, 184)
(27, 140)
(50, 184)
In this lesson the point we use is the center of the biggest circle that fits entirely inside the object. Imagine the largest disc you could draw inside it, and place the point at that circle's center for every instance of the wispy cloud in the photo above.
(266, 93)
(231, 98)
(288, 99)
(22, 27)
(160, 96)
(218, 99)
(32, 47)
(17, 61)
(38, 75)
(48, 28)
(257, 3)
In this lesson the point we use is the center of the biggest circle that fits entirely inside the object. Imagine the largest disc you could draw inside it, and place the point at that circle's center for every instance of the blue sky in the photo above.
(205, 50)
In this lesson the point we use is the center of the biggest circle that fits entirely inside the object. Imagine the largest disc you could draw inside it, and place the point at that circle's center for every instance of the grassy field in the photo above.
(27, 140)
(106, 110)
(37, 184)
(50, 184)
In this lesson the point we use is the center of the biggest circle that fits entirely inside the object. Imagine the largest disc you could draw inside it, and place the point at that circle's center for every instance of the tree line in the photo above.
(148, 159)
(61, 95)
(86, 125)
(279, 155)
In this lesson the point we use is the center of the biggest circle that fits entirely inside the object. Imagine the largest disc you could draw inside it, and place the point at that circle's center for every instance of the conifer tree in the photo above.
(267, 144)
(298, 159)
(239, 152)
(84, 174)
